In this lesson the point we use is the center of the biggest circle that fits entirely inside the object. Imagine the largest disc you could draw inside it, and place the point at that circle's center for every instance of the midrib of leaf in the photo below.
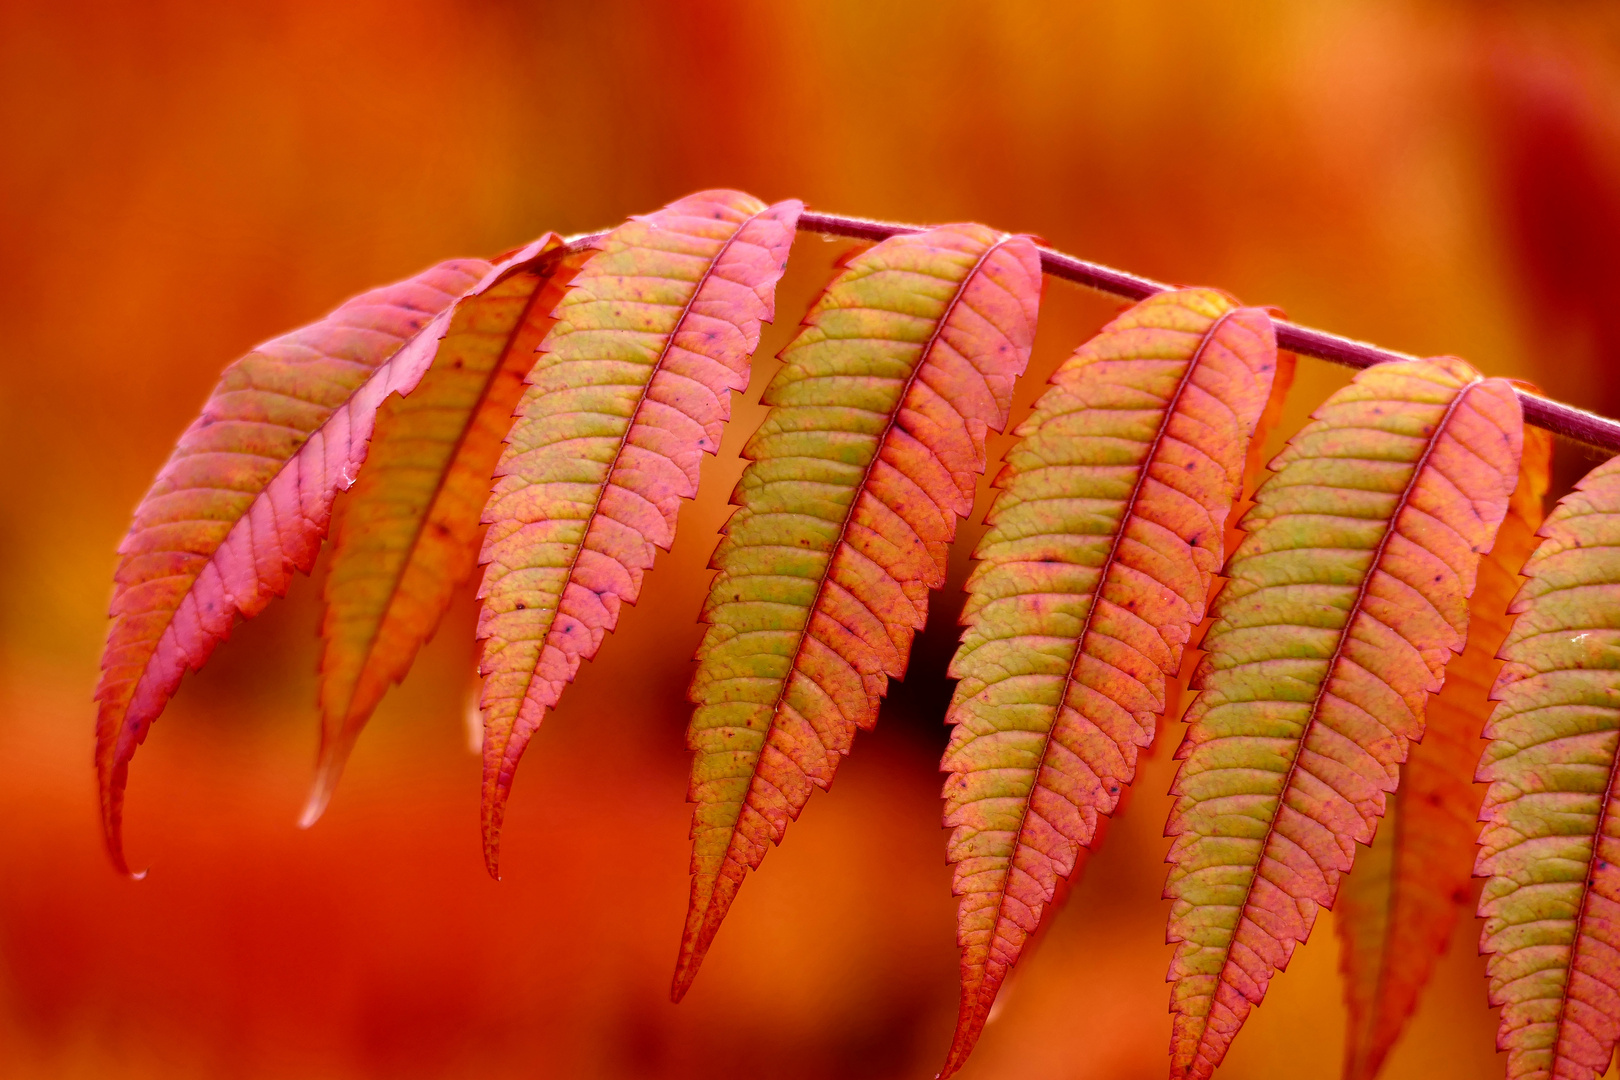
(495, 371)
(1355, 612)
(629, 429)
(849, 515)
(1170, 414)
(1580, 918)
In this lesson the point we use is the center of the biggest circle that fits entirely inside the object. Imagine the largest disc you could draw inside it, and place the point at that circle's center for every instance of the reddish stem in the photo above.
(1560, 419)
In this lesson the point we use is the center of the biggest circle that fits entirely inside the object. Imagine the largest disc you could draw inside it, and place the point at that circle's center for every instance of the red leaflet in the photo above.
(246, 497)
(410, 529)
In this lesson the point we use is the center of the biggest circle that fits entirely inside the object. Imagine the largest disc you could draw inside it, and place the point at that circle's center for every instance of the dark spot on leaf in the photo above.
(520, 606)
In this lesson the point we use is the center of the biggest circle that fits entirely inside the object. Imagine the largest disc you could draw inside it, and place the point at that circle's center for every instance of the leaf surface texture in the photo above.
(1551, 833)
(1343, 604)
(1104, 536)
(410, 529)
(630, 389)
(246, 496)
(858, 474)
(1400, 903)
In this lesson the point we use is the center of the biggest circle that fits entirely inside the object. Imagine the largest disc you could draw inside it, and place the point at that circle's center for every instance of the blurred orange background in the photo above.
(182, 179)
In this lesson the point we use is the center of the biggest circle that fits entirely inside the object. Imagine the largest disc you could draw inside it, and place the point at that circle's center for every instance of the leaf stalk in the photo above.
(1599, 432)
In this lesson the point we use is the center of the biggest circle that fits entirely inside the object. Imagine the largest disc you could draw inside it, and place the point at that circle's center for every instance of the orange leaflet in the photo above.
(1104, 537)
(859, 472)
(1399, 904)
(410, 527)
(1342, 606)
(630, 389)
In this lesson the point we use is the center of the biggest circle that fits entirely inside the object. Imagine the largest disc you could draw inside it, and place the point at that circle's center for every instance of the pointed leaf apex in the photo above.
(682, 982)
(702, 925)
(493, 817)
(328, 770)
(953, 1063)
(113, 782)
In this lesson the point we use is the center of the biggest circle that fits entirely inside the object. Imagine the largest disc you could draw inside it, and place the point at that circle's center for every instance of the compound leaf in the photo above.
(1343, 603)
(410, 529)
(630, 389)
(1104, 537)
(1551, 839)
(246, 496)
(1401, 901)
(858, 474)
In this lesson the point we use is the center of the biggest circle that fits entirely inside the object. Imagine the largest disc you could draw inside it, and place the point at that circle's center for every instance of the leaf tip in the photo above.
(492, 850)
(320, 794)
(970, 1021)
(328, 771)
(115, 852)
(702, 922)
(113, 779)
(686, 967)
(493, 815)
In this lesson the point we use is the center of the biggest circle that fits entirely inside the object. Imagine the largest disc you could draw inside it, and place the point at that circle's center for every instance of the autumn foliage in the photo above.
(544, 416)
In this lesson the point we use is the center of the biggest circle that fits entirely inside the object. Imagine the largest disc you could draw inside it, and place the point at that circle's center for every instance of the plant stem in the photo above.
(1596, 431)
